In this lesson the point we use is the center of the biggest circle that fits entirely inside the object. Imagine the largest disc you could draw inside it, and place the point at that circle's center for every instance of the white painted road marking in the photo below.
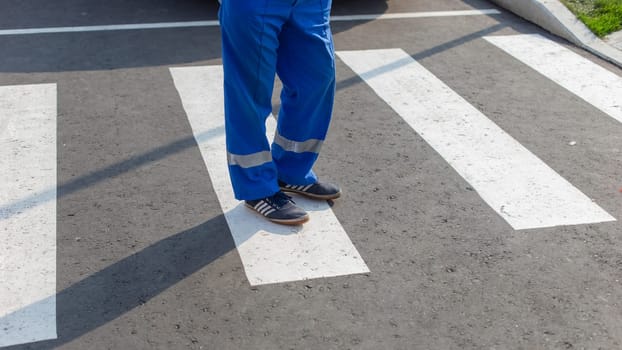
(584, 78)
(270, 253)
(111, 27)
(27, 238)
(514, 182)
(190, 24)
(429, 14)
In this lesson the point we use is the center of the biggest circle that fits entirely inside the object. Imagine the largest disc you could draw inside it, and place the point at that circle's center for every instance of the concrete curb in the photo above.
(615, 40)
(553, 16)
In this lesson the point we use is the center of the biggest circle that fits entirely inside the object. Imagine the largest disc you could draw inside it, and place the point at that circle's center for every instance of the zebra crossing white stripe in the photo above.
(27, 236)
(514, 182)
(584, 78)
(270, 253)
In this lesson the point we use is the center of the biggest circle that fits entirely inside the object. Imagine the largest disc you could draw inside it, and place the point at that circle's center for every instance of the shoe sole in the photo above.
(290, 222)
(313, 196)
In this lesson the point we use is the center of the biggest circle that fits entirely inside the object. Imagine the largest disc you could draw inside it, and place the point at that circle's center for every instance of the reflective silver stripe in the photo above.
(249, 160)
(311, 145)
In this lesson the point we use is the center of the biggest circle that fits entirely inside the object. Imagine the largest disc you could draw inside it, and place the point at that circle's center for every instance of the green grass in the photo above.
(601, 16)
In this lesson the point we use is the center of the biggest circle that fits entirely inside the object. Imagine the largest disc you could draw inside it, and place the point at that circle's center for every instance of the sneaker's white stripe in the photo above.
(28, 233)
(259, 209)
(270, 211)
(261, 206)
(307, 187)
(271, 253)
(264, 211)
(591, 82)
(513, 181)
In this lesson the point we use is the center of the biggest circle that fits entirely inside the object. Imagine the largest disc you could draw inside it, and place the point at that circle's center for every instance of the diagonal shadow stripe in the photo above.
(133, 281)
(111, 171)
(346, 83)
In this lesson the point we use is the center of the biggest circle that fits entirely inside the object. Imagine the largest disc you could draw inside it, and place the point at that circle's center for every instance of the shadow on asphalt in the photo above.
(111, 171)
(105, 50)
(344, 84)
(133, 281)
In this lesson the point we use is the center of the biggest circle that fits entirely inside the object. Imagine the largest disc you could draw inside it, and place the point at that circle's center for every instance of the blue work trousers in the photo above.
(260, 39)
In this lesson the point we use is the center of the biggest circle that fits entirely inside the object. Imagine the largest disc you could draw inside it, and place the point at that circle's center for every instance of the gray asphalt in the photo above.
(145, 256)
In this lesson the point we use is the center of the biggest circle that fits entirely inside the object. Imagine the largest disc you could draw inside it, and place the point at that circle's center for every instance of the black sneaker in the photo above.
(279, 208)
(318, 190)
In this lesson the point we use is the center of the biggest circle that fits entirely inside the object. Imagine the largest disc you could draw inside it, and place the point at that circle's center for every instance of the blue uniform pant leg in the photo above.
(249, 50)
(306, 66)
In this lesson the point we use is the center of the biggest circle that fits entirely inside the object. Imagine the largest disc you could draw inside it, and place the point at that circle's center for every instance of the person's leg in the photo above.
(250, 41)
(306, 66)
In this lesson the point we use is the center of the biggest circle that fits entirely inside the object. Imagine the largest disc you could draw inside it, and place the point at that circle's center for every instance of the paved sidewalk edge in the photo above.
(553, 16)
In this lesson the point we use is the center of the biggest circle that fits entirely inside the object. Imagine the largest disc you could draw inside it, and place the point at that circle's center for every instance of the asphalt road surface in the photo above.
(480, 160)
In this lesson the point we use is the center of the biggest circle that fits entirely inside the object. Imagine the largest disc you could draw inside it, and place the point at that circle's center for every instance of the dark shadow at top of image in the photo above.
(119, 49)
